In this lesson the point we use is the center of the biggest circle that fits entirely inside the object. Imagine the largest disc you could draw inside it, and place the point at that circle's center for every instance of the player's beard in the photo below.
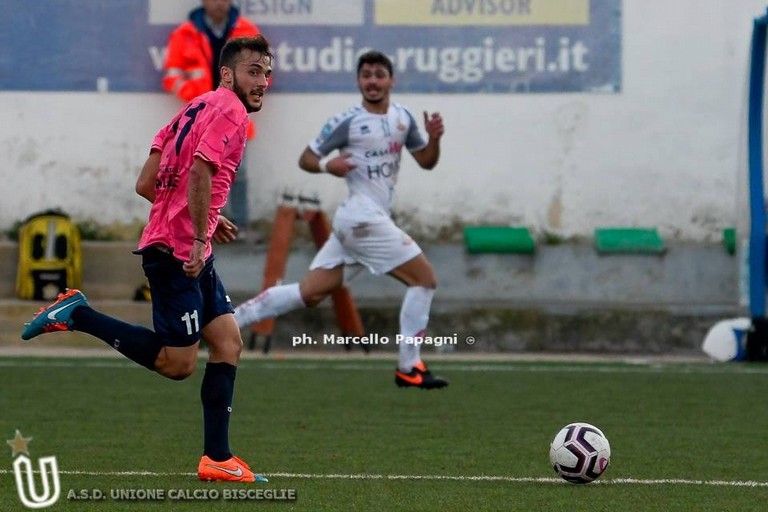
(244, 97)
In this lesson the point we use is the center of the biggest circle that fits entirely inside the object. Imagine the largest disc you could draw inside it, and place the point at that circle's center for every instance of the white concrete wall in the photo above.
(664, 152)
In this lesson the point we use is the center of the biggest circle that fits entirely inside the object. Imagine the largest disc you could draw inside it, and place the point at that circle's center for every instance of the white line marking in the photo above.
(523, 367)
(459, 478)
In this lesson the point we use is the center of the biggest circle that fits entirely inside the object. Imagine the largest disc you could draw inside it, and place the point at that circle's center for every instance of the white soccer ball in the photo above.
(580, 453)
(726, 340)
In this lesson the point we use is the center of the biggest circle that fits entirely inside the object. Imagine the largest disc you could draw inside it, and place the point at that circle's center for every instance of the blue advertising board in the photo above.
(437, 46)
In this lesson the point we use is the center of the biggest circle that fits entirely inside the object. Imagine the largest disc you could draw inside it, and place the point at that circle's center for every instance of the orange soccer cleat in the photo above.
(419, 377)
(230, 470)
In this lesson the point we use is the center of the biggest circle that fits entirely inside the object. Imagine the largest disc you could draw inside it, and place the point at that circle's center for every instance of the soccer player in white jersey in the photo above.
(370, 138)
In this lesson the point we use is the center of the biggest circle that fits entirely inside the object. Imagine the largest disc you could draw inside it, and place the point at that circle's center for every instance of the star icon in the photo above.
(19, 444)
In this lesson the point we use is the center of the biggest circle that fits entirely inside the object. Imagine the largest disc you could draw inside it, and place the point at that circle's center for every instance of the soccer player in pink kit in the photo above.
(370, 138)
(187, 178)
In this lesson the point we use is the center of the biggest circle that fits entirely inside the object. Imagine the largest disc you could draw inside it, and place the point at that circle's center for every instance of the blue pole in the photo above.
(757, 237)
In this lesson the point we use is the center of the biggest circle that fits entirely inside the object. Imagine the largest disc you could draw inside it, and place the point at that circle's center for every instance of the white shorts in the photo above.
(379, 245)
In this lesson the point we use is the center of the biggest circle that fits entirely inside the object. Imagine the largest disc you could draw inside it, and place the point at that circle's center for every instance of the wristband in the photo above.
(201, 240)
(323, 165)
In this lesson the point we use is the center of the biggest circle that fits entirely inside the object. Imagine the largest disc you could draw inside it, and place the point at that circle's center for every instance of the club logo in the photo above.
(25, 478)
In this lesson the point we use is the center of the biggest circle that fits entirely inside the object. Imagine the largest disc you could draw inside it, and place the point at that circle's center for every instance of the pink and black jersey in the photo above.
(212, 127)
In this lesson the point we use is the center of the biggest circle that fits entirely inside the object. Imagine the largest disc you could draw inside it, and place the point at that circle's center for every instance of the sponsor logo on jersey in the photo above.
(384, 170)
(394, 148)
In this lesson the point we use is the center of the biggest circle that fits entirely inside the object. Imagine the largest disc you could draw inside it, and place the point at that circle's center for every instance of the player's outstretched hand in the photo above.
(226, 230)
(433, 124)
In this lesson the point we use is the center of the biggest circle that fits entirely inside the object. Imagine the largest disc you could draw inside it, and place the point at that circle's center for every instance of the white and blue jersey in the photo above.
(363, 231)
(375, 142)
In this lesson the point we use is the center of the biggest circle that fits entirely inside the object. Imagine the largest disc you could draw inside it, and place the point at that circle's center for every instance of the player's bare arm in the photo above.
(199, 201)
(339, 166)
(428, 156)
(145, 184)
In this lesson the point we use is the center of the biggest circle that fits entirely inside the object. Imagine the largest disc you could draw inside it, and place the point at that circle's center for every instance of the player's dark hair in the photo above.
(231, 51)
(374, 57)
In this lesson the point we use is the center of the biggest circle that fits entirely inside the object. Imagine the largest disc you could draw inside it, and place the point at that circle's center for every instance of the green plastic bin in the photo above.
(729, 240)
(629, 241)
(499, 239)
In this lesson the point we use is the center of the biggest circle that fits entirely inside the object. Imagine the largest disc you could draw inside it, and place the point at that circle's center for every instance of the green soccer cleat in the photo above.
(55, 317)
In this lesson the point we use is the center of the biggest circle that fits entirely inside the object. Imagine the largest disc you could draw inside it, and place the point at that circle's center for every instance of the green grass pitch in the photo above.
(340, 435)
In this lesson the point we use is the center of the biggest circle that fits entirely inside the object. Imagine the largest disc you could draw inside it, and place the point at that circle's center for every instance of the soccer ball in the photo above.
(580, 453)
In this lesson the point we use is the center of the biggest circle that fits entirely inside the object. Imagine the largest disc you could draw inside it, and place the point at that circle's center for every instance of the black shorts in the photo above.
(182, 305)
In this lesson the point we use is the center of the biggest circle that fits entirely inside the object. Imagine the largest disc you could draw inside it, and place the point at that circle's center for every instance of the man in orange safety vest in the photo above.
(192, 68)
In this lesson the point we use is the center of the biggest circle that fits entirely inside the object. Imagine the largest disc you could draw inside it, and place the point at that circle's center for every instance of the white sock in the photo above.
(270, 303)
(414, 316)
